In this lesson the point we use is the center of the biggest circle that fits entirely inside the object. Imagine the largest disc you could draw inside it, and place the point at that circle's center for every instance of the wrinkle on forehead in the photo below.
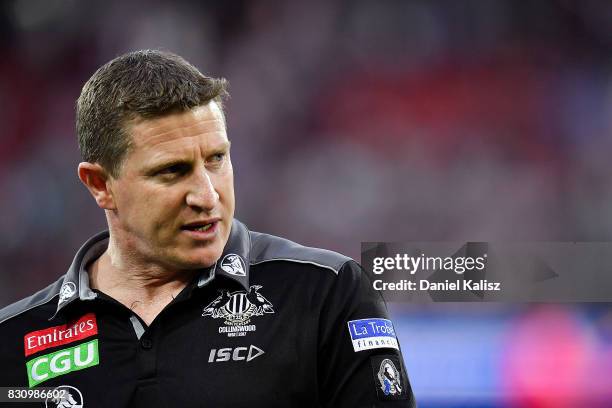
(198, 122)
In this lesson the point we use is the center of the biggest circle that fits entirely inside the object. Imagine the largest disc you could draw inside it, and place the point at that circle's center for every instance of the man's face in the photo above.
(174, 196)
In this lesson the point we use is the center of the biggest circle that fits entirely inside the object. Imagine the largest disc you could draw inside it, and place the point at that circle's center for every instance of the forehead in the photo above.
(202, 124)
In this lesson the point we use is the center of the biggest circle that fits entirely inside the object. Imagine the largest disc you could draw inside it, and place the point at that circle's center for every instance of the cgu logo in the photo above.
(236, 354)
(62, 362)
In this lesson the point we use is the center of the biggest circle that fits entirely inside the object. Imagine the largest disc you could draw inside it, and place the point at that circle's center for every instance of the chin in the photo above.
(202, 260)
(198, 256)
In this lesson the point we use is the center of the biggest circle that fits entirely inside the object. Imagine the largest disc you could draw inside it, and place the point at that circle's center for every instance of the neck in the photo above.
(144, 287)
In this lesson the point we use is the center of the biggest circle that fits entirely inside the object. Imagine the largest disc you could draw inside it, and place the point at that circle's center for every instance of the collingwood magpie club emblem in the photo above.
(390, 378)
(237, 309)
(233, 264)
(67, 291)
(64, 396)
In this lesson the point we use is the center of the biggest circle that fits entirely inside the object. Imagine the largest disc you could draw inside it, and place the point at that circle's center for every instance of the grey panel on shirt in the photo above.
(267, 248)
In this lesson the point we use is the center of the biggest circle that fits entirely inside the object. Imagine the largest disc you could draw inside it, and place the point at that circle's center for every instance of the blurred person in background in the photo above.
(178, 303)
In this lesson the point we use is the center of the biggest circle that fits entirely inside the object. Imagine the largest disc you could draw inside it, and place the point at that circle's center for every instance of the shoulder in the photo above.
(22, 306)
(269, 248)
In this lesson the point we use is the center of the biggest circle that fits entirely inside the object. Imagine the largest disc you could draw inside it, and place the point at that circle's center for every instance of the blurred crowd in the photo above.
(350, 120)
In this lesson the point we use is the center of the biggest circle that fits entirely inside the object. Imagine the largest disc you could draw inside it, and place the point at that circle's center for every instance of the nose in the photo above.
(202, 194)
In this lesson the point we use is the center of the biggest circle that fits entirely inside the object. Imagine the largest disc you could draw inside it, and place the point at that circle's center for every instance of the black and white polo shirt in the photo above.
(271, 324)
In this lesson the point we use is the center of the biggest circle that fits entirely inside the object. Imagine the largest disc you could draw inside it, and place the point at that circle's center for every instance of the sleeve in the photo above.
(360, 363)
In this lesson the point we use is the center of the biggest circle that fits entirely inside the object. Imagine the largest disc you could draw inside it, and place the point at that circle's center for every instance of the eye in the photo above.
(217, 157)
(175, 169)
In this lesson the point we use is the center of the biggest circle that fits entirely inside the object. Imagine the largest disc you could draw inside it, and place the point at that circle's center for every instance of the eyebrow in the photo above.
(223, 147)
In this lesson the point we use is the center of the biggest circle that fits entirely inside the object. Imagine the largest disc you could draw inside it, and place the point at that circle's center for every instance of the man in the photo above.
(178, 304)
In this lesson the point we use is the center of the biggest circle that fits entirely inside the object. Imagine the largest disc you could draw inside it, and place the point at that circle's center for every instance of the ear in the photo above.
(97, 181)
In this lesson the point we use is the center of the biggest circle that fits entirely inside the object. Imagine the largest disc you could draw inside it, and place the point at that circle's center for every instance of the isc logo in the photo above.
(235, 354)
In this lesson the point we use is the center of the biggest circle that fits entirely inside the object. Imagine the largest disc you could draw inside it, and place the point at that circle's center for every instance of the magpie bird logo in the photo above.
(64, 396)
(389, 378)
(238, 307)
(67, 291)
(233, 264)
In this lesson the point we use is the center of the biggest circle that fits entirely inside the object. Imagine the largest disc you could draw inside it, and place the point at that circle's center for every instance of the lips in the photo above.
(201, 226)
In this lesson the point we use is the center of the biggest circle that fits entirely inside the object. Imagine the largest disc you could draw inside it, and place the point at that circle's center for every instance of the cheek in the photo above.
(227, 199)
(149, 206)
(164, 204)
(226, 186)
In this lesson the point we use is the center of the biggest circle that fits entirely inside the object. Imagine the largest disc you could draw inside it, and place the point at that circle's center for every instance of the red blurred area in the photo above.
(554, 360)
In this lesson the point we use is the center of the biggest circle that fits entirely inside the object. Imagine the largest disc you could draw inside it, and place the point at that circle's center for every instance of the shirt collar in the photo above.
(233, 264)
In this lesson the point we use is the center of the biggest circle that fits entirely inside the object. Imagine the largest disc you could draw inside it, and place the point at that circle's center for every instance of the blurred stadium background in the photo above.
(357, 121)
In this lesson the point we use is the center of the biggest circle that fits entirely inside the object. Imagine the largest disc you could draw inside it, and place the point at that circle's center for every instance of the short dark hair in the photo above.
(141, 84)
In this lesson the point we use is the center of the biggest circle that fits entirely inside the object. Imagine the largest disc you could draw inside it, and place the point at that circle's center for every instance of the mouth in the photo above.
(203, 228)
(199, 228)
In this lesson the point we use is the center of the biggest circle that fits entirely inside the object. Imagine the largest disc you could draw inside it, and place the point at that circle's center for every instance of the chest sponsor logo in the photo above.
(373, 333)
(62, 362)
(235, 354)
(59, 335)
(70, 397)
(237, 309)
(233, 264)
(67, 291)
